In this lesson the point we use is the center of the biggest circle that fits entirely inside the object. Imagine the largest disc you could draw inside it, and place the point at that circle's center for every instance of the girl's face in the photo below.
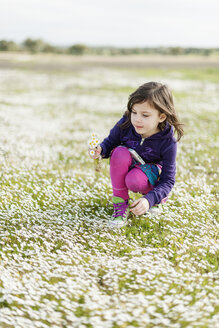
(145, 119)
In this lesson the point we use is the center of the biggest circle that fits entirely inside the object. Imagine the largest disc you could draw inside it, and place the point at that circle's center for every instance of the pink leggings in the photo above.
(123, 179)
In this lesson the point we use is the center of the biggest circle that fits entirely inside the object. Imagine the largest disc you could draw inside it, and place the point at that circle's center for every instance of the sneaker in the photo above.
(121, 212)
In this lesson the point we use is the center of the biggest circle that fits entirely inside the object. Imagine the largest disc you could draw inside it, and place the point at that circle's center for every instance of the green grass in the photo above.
(61, 265)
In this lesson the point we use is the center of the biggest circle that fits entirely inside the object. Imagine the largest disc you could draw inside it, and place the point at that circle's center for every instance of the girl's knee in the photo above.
(137, 181)
(120, 155)
(133, 182)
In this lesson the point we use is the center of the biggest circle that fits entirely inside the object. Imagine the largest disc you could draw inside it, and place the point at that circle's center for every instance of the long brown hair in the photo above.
(159, 97)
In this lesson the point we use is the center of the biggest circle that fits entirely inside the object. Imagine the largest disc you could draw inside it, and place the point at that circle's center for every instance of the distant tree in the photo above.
(48, 48)
(32, 45)
(77, 49)
(8, 46)
(37, 45)
(207, 52)
(175, 51)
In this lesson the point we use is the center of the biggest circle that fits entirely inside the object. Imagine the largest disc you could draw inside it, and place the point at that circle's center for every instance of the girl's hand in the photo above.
(97, 152)
(141, 206)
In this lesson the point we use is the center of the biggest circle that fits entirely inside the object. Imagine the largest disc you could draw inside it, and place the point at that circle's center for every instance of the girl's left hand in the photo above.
(141, 206)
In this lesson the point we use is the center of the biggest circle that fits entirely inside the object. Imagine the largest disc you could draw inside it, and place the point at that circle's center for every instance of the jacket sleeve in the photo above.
(113, 140)
(167, 178)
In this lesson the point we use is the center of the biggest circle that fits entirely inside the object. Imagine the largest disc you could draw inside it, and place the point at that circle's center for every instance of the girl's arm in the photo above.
(113, 140)
(167, 177)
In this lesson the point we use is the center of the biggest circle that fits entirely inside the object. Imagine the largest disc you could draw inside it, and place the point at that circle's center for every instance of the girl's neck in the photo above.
(145, 135)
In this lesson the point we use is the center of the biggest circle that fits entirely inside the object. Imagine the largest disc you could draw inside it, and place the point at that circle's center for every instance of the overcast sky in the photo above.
(124, 23)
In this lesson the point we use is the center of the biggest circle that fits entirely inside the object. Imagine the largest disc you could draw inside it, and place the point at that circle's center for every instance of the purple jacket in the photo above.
(160, 148)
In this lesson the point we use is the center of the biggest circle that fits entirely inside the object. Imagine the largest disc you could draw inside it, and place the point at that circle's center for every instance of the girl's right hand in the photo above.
(97, 152)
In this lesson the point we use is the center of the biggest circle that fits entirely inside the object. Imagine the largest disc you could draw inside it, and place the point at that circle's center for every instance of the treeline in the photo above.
(40, 46)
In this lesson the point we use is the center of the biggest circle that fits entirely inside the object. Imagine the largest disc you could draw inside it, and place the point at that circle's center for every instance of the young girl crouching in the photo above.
(147, 127)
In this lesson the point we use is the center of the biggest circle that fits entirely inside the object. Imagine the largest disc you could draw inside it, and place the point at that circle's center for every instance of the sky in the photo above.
(120, 23)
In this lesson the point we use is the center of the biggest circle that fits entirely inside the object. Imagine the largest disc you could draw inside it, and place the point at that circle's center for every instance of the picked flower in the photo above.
(92, 146)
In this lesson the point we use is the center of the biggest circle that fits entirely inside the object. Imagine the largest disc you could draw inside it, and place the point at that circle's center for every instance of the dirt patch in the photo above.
(65, 63)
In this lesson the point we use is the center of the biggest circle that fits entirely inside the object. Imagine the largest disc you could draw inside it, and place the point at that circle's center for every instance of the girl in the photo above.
(147, 127)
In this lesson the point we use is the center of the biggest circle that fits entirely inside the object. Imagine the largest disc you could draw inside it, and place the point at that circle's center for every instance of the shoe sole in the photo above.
(117, 225)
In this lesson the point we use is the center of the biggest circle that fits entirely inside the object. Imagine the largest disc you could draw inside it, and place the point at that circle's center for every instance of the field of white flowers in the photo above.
(60, 263)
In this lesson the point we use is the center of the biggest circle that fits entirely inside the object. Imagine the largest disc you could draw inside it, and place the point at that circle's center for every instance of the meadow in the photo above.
(61, 265)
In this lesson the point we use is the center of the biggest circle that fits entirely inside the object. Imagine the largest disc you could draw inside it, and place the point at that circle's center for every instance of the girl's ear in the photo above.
(162, 117)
